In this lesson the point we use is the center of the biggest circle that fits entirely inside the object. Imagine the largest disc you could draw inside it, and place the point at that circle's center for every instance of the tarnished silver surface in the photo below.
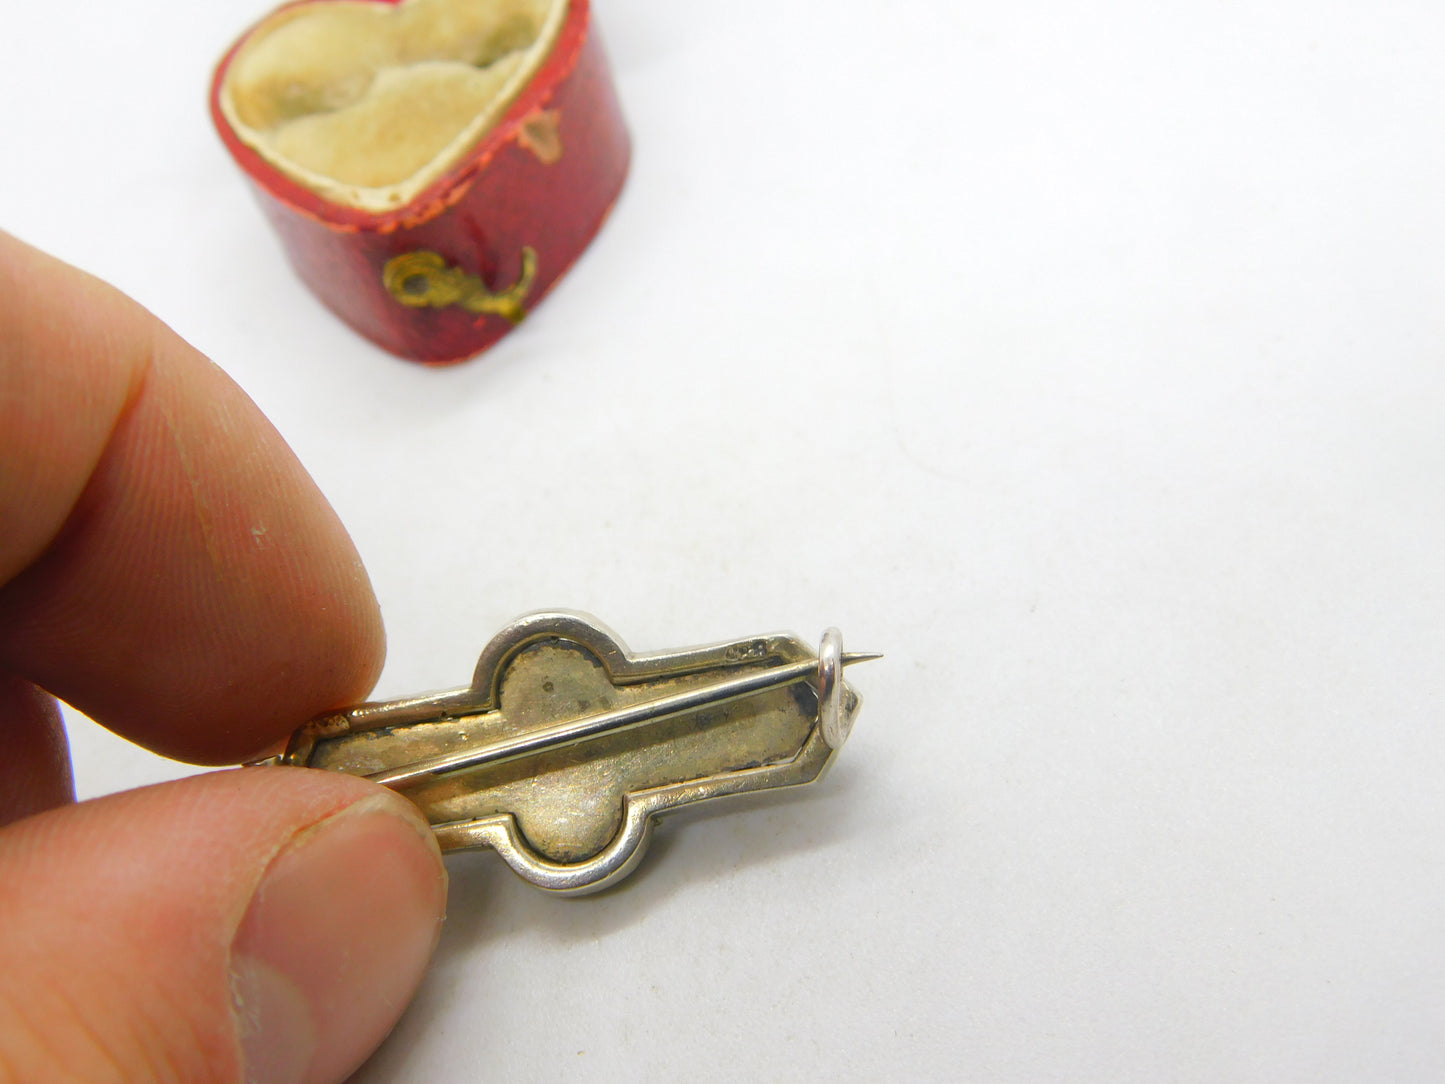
(566, 748)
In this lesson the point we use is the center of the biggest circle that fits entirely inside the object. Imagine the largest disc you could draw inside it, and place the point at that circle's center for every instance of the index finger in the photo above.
(166, 565)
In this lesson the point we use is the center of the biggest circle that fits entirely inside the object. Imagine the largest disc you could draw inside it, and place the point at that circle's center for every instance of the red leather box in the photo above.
(433, 167)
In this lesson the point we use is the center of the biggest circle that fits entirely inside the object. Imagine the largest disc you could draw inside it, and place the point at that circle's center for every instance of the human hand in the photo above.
(168, 567)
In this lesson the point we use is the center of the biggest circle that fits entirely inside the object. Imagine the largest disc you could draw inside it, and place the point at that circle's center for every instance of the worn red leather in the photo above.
(447, 273)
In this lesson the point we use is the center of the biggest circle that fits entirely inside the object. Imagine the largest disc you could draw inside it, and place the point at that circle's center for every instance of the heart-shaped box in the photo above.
(433, 167)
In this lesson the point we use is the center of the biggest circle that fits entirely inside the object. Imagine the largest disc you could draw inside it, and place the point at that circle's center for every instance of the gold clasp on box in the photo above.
(422, 279)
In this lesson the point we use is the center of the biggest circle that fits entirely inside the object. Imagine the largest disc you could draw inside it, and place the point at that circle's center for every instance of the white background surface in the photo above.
(1086, 359)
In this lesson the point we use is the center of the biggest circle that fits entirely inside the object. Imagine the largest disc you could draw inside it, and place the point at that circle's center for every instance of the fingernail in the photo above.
(335, 942)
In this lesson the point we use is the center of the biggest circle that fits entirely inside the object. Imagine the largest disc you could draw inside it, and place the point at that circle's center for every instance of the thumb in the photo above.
(266, 925)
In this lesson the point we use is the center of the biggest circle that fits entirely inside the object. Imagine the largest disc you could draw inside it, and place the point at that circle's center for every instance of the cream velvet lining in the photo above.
(367, 103)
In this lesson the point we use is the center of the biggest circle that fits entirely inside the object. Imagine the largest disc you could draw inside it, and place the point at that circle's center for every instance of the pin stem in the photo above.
(608, 722)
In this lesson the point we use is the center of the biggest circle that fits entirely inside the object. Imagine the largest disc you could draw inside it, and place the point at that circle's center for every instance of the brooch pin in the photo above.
(566, 747)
